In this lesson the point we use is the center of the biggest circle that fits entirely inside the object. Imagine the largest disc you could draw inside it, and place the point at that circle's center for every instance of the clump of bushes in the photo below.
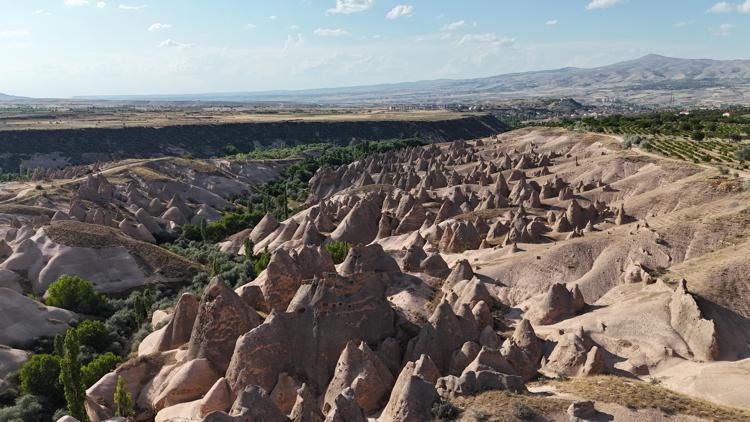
(629, 140)
(27, 408)
(76, 294)
(338, 251)
(99, 367)
(40, 376)
(231, 223)
(743, 153)
(523, 411)
(443, 410)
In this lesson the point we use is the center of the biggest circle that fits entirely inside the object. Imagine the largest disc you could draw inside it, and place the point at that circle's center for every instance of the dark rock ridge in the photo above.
(83, 146)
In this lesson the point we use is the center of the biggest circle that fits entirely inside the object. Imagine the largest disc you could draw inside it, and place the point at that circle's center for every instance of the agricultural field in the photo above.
(715, 151)
(730, 124)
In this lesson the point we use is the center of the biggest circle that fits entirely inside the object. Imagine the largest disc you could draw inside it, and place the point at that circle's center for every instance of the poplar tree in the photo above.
(70, 376)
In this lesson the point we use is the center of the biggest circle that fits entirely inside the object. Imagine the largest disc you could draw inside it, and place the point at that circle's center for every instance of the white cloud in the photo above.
(551, 22)
(681, 24)
(346, 7)
(722, 7)
(14, 33)
(294, 41)
(101, 4)
(174, 44)
(602, 4)
(293, 27)
(488, 38)
(76, 3)
(727, 7)
(400, 11)
(272, 18)
(724, 30)
(251, 26)
(42, 12)
(454, 25)
(327, 32)
(128, 7)
(159, 26)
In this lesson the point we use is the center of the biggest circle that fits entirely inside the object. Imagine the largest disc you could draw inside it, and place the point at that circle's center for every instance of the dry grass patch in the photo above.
(635, 394)
(149, 175)
(26, 210)
(506, 406)
(156, 259)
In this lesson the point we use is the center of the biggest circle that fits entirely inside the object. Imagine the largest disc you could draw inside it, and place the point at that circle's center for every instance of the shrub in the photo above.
(338, 251)
(261, 261)
(443, 410)
(743, 153)
(629, 140)
(522, 411)
(94, 334)
(99, 367)
(723, 170)
(39, 376)
(76, 294)
(28, 408)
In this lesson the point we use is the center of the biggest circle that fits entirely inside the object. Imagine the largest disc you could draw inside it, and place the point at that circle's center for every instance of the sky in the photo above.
(63, 48)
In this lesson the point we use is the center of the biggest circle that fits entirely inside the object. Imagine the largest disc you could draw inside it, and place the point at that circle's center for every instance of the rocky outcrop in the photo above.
(413, 394)
(24, 319)
(191, 381)
(687, 319)
(360, 226)
(557, 304)
(345, 408)
(307, 339)
(253, 404)
(444, 333)
(370, 258)
(180, 326)
(264, 227)
(363, 371)
(222, 317)
(574, 355)
(305, 407)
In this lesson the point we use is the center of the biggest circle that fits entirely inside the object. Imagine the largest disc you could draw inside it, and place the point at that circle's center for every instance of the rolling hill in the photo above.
(652, 79)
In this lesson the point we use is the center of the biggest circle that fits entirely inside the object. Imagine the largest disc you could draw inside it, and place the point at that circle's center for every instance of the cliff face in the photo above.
(54, 148)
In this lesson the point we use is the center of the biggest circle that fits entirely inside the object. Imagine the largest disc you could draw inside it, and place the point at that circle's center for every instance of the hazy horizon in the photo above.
(66, 48)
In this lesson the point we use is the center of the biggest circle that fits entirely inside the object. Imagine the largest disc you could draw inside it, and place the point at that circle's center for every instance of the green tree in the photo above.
(76, 294)
(58, 344)
(70, 376)
(148, 300)
(247, 244)
(140, 310)
(40, 376)
(123, 400)
(94, 334)
(261, 261)
(338, 250)
(99, 367)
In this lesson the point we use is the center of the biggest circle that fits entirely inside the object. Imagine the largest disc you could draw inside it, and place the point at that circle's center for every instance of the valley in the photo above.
(503, 277)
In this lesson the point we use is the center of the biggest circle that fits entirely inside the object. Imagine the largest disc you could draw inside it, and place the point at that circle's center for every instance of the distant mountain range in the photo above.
(649, 80)
(5, 97)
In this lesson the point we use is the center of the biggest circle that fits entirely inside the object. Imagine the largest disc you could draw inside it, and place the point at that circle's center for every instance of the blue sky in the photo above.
(59, 48)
